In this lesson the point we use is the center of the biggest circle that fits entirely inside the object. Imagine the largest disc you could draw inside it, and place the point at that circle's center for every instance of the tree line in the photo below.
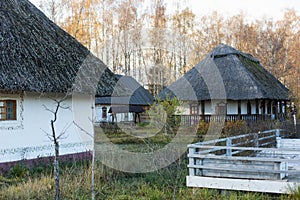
(156, 46)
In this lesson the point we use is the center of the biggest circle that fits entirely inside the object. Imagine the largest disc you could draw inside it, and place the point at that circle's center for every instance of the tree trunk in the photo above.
(56, 171)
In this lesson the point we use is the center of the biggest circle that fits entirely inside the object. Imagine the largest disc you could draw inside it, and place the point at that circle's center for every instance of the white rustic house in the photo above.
(231, 83)
(127, 108)
(40, 64)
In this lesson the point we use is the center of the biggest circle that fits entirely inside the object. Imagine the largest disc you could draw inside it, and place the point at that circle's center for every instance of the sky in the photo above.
(254, 9)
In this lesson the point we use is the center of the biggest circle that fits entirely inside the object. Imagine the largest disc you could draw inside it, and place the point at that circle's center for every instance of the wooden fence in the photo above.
(195, 119)
(241, 163)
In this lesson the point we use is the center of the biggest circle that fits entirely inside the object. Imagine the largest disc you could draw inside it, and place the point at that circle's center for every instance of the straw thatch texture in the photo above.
(138, 94)
(238, 74)
(36, 55)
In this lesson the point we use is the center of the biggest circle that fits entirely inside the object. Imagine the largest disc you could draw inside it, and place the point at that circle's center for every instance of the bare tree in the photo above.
(55, 137)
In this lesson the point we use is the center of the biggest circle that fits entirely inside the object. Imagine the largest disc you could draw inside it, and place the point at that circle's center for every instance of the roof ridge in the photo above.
(224, 50)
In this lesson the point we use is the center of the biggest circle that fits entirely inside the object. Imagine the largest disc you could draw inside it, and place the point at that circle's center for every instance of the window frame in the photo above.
(5, 110)
(104, 112)
(194, 109)
(221, 109)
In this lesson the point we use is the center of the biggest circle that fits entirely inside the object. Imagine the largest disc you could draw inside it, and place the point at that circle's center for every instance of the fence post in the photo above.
(277, 131)
(191, 161)
(278, 138)
(256, 145)
(228, 144)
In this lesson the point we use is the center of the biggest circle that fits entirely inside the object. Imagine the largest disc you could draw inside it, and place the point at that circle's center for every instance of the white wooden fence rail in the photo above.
(244, 163)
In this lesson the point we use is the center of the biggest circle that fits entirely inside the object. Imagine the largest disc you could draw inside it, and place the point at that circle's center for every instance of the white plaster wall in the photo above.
(185, 109)
(209, 108)
(120, 116)
(98, 111)
(244, 107)
(232, 107)
(31, 140)
(253, 107)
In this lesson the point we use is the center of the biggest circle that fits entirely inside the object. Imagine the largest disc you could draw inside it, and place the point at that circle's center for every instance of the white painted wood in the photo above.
(290, 144)
(191, 162)
(238, 148)
(271, 167)
(240, 169)
(237, 158)
(273, 170)
(241, 184)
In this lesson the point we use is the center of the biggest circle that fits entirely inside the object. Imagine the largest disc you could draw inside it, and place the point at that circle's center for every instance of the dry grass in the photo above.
(111, 184)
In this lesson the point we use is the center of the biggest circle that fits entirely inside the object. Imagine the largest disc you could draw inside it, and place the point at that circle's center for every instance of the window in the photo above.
(194, 109)
(8, 110)
(221, 109)
(104, 112)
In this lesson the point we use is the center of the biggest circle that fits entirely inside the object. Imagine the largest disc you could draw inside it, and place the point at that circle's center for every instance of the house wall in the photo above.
(253, 107)
(209, 107)
(244, 107)
(232, 107)
(185, 109)
(27, 137)
(120, 116)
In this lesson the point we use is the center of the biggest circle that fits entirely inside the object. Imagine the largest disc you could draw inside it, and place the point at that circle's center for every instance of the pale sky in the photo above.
(254, 9)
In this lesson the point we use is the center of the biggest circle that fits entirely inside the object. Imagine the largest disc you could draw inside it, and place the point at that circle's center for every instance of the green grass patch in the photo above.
(165, 183)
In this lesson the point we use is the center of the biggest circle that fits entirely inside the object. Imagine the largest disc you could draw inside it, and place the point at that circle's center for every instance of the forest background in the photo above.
(157, 41)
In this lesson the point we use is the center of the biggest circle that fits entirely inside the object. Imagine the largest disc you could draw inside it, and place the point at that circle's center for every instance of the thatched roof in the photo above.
(227, 73)
(36, 55)
(138, 94)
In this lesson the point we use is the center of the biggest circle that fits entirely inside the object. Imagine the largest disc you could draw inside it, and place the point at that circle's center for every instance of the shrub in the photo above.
(19, 171)
(234, 128)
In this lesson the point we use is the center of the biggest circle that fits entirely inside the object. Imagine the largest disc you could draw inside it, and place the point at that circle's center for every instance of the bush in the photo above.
(202, 128)
(19, 171)
(238, 127)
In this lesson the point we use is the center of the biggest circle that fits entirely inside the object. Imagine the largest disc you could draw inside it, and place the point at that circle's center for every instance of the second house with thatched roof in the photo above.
(128, 108)
(231, 83)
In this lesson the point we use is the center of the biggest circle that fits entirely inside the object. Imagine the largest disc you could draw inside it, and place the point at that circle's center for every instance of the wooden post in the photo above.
(269, 107)
(191, 161)
(263, 105)
(239, 109)
(257, 108)
(203, 110)
(256, 145)
(277, 132)
(276, 109)
(285, 109)
(278, 138)
(280, 106)
(228, 144)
